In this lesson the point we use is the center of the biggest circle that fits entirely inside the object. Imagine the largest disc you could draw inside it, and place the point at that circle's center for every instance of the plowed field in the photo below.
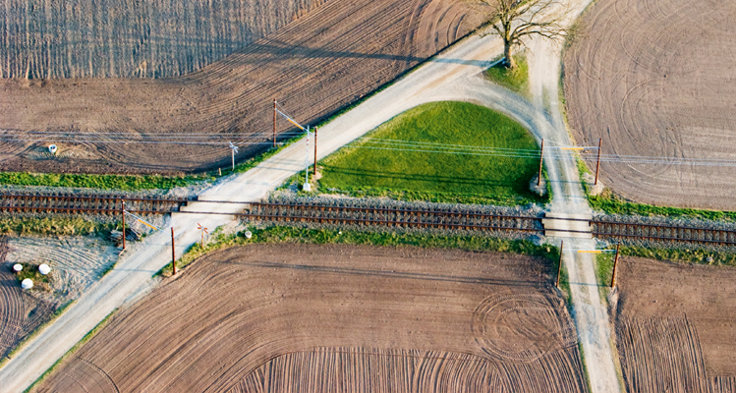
(288, 318)
(20, 312)
(655, 78)
(675, 327)
(331, 56)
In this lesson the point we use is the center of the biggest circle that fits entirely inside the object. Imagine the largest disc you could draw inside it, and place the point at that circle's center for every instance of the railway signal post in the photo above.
(233, 151)
(615, 264)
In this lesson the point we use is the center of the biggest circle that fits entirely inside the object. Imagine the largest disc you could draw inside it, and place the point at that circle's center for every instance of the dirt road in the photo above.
(452, 75)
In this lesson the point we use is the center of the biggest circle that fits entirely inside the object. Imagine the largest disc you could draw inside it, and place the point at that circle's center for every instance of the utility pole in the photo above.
(598, 162)
(541, 157)
(122, 215)
(274, 123)
(559, 264)
(315, 152)
(173, 252)
(307, 186)
(615, 264)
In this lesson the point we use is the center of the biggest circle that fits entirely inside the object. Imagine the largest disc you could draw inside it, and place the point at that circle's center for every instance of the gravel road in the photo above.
(453, 75)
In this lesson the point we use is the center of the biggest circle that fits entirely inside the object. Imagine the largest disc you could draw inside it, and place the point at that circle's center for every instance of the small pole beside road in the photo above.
(173, 253)
(315, 151)
(274, 123)
(615, 265)
(122, 216)
(541, 157)
(559, 265)
(598, 162)
(233, 150)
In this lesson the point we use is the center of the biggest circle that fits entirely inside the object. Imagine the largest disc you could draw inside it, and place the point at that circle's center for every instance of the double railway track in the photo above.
(444, 219)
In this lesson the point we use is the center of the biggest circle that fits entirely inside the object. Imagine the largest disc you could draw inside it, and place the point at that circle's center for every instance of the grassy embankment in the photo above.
(415, 156)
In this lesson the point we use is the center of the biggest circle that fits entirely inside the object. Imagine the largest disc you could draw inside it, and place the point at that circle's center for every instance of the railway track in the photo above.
(93, 204)
(446, 219)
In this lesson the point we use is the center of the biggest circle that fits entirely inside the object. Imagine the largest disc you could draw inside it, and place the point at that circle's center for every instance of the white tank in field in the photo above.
(17, 267)
(26, 283)
(44, 269)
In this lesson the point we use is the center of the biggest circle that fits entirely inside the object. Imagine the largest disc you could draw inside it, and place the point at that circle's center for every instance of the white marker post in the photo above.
(233, 150)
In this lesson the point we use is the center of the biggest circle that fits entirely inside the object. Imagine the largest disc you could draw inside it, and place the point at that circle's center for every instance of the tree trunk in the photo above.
(508, 59)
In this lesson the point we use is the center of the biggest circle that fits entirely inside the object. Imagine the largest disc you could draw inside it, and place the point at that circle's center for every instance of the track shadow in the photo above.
(393, 274)
(473, 181)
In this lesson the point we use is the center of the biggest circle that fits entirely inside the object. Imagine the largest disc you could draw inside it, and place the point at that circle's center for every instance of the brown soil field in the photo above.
(316, 318)
(20, 313)
(76, 263)
(676, 327)
(125, 38)
(326, 59)
(654, 78)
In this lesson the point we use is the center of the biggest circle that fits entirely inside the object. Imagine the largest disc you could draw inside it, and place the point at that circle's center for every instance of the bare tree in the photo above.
(516, 20)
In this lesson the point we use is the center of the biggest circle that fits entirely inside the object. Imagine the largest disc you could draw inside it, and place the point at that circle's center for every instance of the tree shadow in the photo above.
(280, 50)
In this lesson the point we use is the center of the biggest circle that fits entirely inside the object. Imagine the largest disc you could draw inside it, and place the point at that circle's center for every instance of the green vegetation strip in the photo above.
(611, 204)
(71, 351)
(516, 79)
(366, 168)
(102, 182)
(287, 234)
(52, 226)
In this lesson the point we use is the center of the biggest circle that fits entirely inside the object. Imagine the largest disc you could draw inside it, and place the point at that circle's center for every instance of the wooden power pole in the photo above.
(598, 162)
(315, 151)
(559, 264)
(173, 253)
(541, 156)
(615, 265)
(122, 216)
(274, 123)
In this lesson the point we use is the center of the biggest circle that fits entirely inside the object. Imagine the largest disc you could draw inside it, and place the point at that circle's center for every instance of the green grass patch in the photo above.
(288, 234)
(604, 268)
(31, 271)
(360, 169)
(683, 255)
(71, 351)
(102, 182)
(611, 204)
(52, 226)
(516, 79)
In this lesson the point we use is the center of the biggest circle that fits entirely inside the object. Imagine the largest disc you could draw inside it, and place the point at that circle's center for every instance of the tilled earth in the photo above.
(330, 57)
(675, 327)
(76, 263)
(654, 78)
(336, 318)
